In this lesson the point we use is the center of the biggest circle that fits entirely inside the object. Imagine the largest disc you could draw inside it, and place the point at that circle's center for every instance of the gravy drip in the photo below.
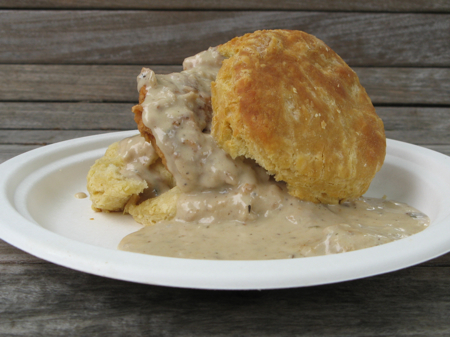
(231, 209)
(177, 109)
(139, 157)
(80, 195)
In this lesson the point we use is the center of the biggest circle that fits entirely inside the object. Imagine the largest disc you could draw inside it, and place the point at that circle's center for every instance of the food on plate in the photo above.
(260, 148)
(286, 100)
(152, 210)
(127, 169)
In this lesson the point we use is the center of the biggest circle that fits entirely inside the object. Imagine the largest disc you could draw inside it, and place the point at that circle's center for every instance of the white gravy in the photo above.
(231, 209)
(80, 195)
(139, 156)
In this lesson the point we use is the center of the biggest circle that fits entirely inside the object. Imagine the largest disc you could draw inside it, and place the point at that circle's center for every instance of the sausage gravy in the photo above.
(231, 209)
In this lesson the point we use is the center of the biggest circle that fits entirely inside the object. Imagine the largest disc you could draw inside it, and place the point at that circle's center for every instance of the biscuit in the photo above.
(286, 100)
(109, 189)
(151, 211)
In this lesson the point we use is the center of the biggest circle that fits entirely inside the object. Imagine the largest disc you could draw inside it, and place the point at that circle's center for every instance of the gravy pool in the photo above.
(291, 229)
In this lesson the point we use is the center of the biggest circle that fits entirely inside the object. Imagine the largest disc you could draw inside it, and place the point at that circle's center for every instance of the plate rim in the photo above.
(231, 275)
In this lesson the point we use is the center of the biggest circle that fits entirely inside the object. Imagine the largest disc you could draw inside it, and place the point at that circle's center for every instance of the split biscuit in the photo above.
(112, 189)
(109, 189)
(151, 211)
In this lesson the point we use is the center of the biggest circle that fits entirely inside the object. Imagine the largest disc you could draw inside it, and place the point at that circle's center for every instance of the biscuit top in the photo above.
(286, 100)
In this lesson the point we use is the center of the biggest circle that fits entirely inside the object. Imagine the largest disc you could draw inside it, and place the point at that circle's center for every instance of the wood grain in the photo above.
(44, 137)
(406, 85)
(37, 122)
(444, 149)
(94, 83)
(417, 125)
(67, 116)
(10, 151)
(167, 37)
(12, 255)
(117, 83)
(328, 5)
(56, 301)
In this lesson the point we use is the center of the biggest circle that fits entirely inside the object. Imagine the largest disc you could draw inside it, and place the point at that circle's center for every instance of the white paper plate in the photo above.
(40, 215)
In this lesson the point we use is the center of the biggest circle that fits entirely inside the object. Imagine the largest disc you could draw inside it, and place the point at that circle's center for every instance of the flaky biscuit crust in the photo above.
(291, 103)
(108, 188)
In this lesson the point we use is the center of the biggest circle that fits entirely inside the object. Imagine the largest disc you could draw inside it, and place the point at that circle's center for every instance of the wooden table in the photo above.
(67, 70)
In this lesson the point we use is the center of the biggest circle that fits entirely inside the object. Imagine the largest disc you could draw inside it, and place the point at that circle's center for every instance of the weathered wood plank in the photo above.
(44, 137)
(417, 125)
(111, 83)
(72, 83)
(329, 5)
(10, 151)
(48, 300)
(444, 149)
(166, 37)
(12, 255)
(406, 85)
(67, 116)
(442, 261)
(410, 124)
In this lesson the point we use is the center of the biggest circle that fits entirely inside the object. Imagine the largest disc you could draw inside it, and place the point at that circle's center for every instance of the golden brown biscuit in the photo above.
(151, 211)
(109, 189)
(111, 186)
(292, 104)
